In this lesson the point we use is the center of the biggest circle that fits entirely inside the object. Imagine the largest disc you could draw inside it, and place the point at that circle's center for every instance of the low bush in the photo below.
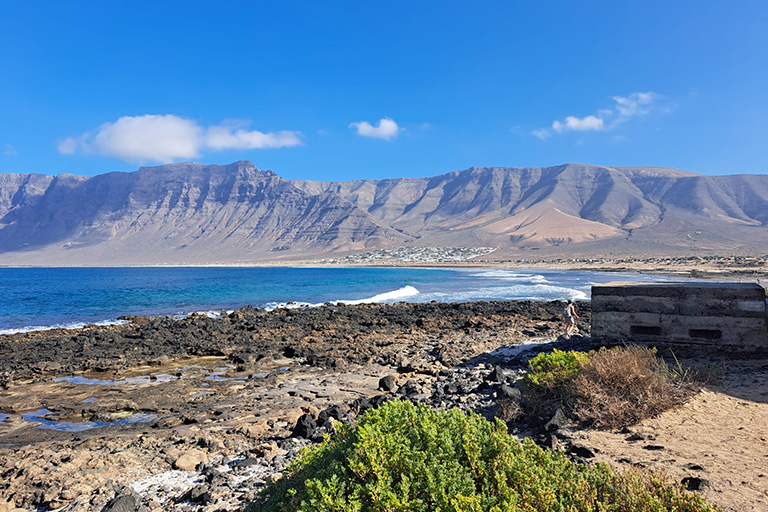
(405, 457)
(606, 388)
(622, 386)
(550, 370)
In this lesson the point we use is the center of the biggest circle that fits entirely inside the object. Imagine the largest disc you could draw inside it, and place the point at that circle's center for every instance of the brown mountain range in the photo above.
(193, 213)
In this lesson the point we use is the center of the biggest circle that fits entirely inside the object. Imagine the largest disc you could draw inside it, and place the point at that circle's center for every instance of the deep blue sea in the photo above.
(35, 298)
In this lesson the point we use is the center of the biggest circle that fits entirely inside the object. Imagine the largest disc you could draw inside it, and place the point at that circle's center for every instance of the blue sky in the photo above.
(346, 90)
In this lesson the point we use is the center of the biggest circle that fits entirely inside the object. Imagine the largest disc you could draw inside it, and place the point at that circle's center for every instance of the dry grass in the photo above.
(624, 385)
(612, 388)
(508, 410)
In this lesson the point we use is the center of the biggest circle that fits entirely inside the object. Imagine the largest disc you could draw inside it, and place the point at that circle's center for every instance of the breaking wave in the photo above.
(400, 293)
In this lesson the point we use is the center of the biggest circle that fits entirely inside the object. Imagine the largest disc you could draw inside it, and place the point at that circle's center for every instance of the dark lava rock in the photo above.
(558, 420)
(653, 447)
(409, 388)
(363, 404)
(387, 383)
(581, 451)
(125, 501)
(250, 461)
(509, 393)
(334, 412)
(306, 427)
(213, 476)
(497, 375)
(694, 483)
(482, 387)
(198, 494)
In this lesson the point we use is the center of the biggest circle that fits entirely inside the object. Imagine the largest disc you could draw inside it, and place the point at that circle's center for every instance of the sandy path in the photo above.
(720, 436)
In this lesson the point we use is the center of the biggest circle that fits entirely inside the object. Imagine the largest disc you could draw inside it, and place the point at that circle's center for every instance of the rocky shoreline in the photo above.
(221, 397)
(221, 405)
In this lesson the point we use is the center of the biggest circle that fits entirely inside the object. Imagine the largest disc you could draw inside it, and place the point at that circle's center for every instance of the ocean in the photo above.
(42, 298)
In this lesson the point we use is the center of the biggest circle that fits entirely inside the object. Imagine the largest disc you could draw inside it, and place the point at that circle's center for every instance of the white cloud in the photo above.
(578, 124)
(148, 138)
(386, 129)
(223, 137)
(10, 150)
(625, 108)
(165, 138)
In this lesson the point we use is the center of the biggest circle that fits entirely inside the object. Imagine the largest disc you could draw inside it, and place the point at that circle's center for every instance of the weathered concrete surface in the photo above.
(714, 313)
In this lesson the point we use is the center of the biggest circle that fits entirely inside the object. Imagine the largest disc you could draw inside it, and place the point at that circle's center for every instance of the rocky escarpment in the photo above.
(177, 213)
(194, 213)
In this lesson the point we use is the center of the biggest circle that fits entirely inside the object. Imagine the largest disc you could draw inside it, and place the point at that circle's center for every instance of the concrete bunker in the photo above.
(719, 314)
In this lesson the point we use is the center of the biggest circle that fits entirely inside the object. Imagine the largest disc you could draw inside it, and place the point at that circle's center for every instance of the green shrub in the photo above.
(552, 369)
(405, 457)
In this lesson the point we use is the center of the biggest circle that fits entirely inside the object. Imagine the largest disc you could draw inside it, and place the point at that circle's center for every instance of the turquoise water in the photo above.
(34, 298)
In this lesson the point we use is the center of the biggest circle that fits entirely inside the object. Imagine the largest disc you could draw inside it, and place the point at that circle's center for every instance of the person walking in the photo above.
(569, 317)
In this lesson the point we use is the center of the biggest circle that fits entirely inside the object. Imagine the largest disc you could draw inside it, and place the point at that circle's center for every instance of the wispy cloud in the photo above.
(165, 138)
(386, 129)
(10, 150)
(624, 108)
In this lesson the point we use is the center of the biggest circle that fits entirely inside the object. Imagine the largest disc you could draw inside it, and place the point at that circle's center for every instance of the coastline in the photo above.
(224, 400)
(183, 299)
(741, 267)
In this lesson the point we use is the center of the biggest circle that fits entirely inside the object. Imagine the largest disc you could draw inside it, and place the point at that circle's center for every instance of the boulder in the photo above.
(334, 412)
(387, 383)
(506, 392)
(496, 375)
(306, 427)
(190, 459)
(126, 500)
(558, 421)
(694, 483)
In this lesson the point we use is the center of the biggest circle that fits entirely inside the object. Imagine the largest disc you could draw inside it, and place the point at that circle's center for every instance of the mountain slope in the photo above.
(573, 203)
(183, 213)
(195, 213)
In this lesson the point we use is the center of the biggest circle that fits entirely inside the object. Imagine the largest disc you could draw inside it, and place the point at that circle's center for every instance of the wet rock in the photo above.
(387, 383)
(214, 476)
